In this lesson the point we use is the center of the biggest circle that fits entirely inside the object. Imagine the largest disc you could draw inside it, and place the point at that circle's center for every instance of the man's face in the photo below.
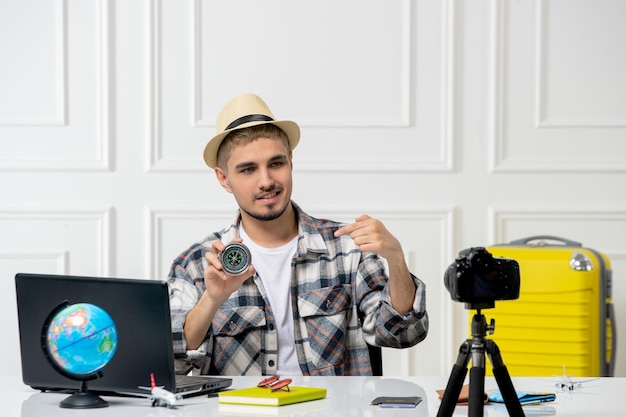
(258, 174)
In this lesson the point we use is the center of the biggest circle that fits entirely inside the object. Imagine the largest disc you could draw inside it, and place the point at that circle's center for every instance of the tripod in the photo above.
(476, 347)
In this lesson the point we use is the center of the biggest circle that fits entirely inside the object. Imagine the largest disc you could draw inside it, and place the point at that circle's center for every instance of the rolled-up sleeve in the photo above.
(410, 328)
(382, 324)
(186, 284)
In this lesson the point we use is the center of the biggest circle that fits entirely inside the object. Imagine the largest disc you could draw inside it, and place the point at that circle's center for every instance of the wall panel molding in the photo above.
(59, 260)
(402, 120)
(569, 222)
(67, 227)
(153, 96)
(59, 118)
(542, 52)
(439, 159)
(526, 138)
(64, 127)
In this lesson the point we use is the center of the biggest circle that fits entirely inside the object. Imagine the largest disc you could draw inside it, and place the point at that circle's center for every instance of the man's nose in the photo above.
(265, 178)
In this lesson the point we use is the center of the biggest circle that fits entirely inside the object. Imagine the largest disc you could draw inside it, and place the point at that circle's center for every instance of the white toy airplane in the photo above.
(159, 396)
(568, 384)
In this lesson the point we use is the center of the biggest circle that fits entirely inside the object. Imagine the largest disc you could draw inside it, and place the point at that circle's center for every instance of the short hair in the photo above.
(247, 135)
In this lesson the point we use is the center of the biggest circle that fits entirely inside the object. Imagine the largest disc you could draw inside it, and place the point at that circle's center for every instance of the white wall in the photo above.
(458, 123)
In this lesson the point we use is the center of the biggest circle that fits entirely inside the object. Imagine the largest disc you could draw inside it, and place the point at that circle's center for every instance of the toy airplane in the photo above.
(159, 396)
(568, 384)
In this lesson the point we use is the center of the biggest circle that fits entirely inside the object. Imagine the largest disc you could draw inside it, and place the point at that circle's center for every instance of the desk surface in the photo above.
(347, 396)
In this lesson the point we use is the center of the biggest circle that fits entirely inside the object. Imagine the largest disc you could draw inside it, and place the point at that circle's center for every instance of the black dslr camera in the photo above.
(477, 278)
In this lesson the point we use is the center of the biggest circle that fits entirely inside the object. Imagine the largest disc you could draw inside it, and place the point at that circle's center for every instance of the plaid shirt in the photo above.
(340, 304)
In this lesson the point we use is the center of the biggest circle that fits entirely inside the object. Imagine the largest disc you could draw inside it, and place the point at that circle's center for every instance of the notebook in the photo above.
(141, 313)
(269, 397)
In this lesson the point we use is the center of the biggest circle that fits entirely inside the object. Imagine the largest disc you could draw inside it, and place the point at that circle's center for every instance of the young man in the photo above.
(317, 292)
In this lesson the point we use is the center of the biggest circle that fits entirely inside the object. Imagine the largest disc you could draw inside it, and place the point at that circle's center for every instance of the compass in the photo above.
(235, 258)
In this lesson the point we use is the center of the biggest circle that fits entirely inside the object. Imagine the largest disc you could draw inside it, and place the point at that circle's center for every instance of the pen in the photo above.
(537, 401)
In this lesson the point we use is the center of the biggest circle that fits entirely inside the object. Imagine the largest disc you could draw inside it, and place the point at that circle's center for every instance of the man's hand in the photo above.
(219, 286)
(371, 235)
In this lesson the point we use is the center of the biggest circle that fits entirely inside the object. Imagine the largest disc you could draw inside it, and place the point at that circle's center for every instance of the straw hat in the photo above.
(243, 111)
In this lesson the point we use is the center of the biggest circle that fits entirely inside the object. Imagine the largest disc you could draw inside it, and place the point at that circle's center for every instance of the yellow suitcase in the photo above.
(563, 317)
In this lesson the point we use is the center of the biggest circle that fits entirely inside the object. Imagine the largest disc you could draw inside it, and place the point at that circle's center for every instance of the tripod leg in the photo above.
(477, 381)
(501, 373)
(455, 383)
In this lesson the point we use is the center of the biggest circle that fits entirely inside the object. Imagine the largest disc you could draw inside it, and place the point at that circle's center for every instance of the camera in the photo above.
(476, 277)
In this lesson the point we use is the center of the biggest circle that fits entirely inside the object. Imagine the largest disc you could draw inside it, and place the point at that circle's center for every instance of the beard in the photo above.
(273, 214)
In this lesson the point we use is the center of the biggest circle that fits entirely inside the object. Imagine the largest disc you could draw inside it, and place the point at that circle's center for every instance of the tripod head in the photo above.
(480, 328)
(479, 322)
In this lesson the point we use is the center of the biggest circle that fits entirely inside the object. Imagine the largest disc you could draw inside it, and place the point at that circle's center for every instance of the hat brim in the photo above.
(291, 129)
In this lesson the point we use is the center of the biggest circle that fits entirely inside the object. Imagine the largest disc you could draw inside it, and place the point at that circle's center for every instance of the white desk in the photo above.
(347, 396)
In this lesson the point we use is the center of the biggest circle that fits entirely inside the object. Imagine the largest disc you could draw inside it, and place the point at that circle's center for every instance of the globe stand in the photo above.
(83, 399)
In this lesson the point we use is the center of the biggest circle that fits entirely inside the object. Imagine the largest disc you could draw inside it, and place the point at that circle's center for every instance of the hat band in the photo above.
(247, 119)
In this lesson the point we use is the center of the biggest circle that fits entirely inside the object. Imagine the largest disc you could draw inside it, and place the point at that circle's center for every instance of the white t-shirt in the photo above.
(274, 268)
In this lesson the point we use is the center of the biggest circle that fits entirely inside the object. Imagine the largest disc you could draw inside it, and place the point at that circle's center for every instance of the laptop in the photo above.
(141, 313)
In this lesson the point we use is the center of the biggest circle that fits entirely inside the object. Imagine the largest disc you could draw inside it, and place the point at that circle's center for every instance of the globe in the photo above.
(81, 340)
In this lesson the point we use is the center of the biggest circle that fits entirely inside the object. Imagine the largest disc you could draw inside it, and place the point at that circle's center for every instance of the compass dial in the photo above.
(235, 258)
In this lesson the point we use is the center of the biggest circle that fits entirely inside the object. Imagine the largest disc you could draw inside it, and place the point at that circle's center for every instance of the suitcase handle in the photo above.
(566, 242)
(611, 364)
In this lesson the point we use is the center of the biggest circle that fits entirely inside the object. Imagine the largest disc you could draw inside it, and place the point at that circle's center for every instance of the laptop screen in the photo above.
(139, 309)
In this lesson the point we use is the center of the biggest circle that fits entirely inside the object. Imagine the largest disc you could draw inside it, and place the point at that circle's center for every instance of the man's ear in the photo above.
(222, 178)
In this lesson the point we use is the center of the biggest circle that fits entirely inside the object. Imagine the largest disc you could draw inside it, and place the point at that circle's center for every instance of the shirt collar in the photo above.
(309, 237)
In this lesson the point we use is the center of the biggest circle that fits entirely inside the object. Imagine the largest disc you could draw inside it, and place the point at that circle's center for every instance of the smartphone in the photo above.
(396, 402)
